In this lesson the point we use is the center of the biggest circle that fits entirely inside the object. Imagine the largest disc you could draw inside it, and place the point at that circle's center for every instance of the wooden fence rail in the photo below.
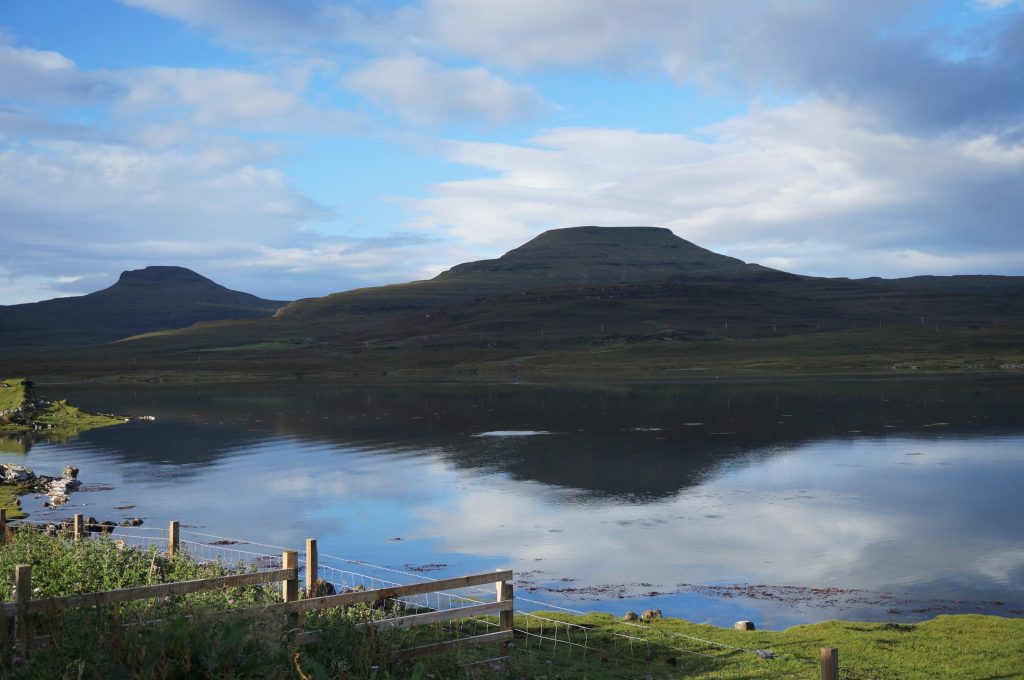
(107, 597)
(25, 606)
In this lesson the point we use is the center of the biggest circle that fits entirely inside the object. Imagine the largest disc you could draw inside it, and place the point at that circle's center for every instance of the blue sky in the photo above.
(295, 148)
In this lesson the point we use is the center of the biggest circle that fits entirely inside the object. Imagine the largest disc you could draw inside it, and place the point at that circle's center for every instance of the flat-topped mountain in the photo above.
(142, 300)
(587, 255)
(577, 256)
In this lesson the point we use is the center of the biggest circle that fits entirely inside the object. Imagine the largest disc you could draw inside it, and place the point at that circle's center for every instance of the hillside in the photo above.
(142, 300)
(593, 303)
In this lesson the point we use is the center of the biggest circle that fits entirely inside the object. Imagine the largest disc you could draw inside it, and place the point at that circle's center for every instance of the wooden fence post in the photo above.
(829, 663)
(505, 619)
(290, 587)
(3, 524)
(312, 567)
(173, 536)
(78, 527)
(22, 594)
(5, 643)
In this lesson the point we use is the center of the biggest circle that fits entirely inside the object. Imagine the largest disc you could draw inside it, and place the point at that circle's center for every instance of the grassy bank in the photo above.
(21, 412)
(9, 501)
(196, 642)
(24, 418)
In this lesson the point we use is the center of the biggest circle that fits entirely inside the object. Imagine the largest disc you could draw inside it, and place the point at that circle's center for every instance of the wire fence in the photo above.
(542, 631)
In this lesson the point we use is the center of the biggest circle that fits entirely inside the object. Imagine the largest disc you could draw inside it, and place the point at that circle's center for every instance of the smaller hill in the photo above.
(142, 300)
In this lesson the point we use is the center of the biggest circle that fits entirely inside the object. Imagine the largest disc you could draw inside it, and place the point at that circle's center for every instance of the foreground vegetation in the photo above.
(194, 641)
(183, 636)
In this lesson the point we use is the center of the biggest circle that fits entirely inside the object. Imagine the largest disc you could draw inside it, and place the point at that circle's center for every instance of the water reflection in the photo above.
(640, 495)
(637, 442)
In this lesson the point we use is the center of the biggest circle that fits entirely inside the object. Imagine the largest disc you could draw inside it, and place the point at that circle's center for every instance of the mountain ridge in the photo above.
(559, 307)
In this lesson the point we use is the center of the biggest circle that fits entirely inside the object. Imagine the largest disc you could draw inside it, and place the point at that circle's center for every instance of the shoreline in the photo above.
(176, 379)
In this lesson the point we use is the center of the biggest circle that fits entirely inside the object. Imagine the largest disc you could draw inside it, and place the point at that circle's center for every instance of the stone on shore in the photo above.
(11, 473)
(57, 488)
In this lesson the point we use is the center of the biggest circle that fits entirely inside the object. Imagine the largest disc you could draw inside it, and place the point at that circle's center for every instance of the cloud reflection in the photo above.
(801, 518)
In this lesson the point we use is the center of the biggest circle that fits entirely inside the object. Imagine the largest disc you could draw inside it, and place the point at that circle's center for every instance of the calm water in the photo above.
(781, 503)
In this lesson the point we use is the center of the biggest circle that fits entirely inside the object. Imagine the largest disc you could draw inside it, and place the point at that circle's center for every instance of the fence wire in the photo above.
(538, 634)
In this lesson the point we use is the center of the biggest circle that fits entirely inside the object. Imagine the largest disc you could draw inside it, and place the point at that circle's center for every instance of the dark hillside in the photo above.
(142, 300)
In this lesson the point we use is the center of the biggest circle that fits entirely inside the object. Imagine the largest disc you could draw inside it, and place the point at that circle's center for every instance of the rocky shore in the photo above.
(57, 488)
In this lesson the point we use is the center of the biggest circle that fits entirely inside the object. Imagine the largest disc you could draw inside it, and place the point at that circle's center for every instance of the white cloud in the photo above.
(171, 175)
(49, 77)
(729, 44)
(811, 178)
(217, 210)
(425, 93)
(18, 289)
(401, 258)
(122, 207)
(221, 98)
(119, 192)
(239, 19)
(168, 105)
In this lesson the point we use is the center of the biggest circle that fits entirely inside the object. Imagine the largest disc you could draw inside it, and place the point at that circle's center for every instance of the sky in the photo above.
(294, 148)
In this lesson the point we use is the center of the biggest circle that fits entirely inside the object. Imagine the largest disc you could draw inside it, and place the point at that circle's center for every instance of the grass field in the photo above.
(221, 353)
(954, 647)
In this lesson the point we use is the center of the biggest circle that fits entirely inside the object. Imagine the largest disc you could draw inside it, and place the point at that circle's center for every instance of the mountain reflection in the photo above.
(636, 443)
